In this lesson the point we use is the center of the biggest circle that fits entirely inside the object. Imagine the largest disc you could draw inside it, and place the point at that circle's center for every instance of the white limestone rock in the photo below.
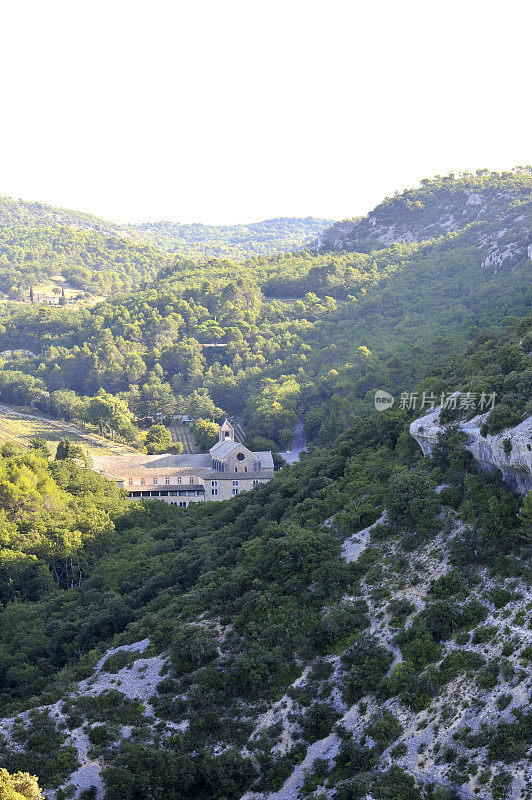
(488, 451)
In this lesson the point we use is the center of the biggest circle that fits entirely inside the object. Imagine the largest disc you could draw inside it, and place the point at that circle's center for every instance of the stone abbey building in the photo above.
(226, 470)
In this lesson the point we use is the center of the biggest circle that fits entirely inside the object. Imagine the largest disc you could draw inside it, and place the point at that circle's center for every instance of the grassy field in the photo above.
(59, 283)
(16, 426)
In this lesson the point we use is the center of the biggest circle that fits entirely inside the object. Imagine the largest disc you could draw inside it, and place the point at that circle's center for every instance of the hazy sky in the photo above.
(231, 111)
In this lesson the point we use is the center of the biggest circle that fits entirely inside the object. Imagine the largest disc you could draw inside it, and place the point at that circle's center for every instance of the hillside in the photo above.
(38, 241)
(19, 212)
(495, 209)
(356, 629)
(359, 625)
(236, 242)
(305, 334)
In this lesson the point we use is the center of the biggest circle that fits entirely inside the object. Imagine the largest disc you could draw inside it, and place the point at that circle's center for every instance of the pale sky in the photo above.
(225, 111)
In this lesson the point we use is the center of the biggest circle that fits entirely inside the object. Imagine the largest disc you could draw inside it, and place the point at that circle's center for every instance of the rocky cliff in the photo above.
(493, 212)
(510, 451)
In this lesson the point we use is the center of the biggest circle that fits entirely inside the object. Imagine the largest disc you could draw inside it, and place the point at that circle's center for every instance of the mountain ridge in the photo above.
(445, 205)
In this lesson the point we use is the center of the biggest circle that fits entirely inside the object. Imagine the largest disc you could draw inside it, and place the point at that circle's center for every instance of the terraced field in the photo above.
(184, 434)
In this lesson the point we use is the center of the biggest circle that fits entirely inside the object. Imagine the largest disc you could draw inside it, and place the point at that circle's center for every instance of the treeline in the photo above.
(39, 241)
(235, 242)
(89, 260)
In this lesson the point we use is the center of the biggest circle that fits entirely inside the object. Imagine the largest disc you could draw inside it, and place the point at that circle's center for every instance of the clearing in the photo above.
(18, 425)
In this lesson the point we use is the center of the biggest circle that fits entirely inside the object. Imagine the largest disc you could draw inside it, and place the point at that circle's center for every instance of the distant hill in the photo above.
(233, 241)
(38, 241)
(19, 212)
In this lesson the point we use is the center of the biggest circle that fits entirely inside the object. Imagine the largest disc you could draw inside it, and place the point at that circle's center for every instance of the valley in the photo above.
(357, 627)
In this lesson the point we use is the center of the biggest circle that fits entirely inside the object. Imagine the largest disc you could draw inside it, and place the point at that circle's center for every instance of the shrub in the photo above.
(110, 706)
(89, 794)
(488, 676)
(384, 729)
(395, 784)
(318, 721)
(340, 622)
(353, 758)
(484, 634)
(379, 532)
(399, 750)
(510, 740)
(473, 613)
(45, 753)
(500, 785)
(99, 735)
(192, 647)
(412, 503)
(442, 619)
(447, 585)
(451, 496)
(19, 786)
(366, 663)
(499, 597)
(418, 646)
(399, 611)
(116, 661)
(415, 691)
(500, 418)
(503, 701)
(457, 662)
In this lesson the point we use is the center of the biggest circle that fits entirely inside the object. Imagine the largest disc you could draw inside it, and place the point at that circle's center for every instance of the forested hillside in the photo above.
(236, 242)
(38, 241)
(357, 628)
(302, 334)
(275, 639)
(495, 208)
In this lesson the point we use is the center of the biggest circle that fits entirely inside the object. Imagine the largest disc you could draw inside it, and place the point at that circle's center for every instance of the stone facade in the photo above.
(225, 471)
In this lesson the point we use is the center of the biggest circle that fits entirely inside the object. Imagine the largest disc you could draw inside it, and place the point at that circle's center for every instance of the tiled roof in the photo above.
(222, 449)
(139, 464)
(266, 459)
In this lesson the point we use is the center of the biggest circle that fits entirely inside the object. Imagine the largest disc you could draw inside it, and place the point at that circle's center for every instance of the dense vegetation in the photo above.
(310, 334)
(20, 786)
(39, 241)
(236, 242)
(279, 600)
(272, 577)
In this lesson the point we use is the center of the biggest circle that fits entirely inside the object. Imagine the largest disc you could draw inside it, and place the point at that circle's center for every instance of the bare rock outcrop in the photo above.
(509, 451)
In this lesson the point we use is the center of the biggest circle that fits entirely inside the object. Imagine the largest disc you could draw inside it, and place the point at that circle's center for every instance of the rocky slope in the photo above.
(495, 209)
(455, 739)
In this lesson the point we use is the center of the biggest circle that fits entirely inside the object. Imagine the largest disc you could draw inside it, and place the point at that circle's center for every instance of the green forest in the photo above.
(369, 595)
(39, 241)
(308, 333)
